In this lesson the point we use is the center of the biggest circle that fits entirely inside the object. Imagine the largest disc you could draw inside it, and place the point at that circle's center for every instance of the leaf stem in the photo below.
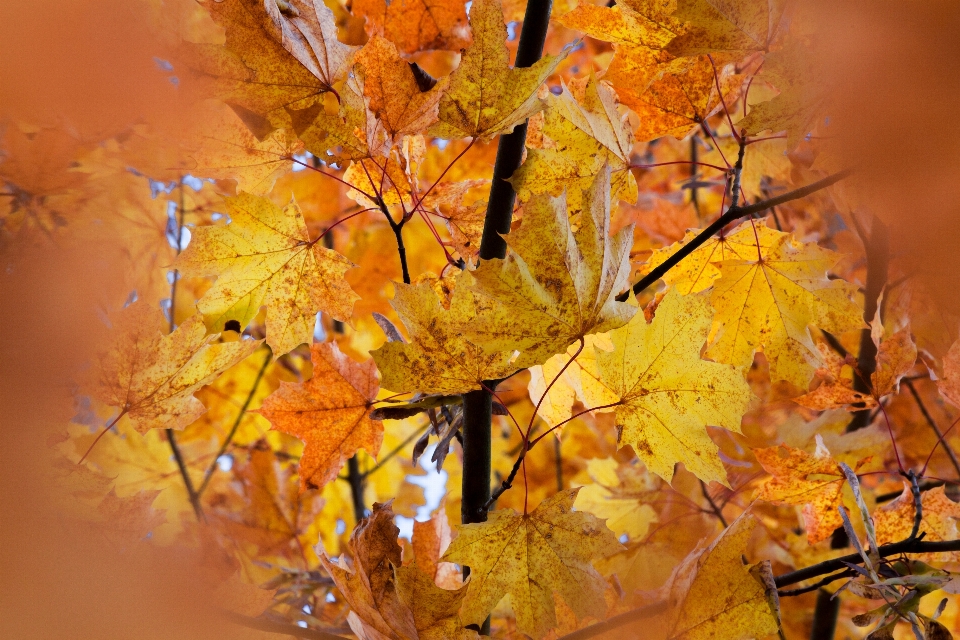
(933, 425)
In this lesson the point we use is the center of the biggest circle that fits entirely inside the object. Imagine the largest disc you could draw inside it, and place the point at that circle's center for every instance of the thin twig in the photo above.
(933, 425)
(816, 585)
(506, 484)
(917, 505)
(713, 505)
(398, 449)
(185, 474)
(236, 424)
(731, 215)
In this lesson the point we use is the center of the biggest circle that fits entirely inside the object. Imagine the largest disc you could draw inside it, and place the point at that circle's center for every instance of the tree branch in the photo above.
(732, 214)
(917, 545)
(187, 482)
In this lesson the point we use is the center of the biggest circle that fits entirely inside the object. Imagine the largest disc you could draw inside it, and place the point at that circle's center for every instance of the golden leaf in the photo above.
(531, 557)
(668, 394)
(264, 256)
(894, 521)
(486, 97)
(587, 133)
(329, 412)
(152, 377)
(716, 595)
(440, 358)
(770, 301)
(556, 285)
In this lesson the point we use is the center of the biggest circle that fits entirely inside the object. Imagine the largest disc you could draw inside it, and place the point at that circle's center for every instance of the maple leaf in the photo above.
(275, 515)
(416, 25)
(896, 356)
(698, 271)
(894, 522)
(770, 302)
(620, 499)
(812, 480)
(801, 96)
(395, 95)
(387, 599)
(152, 377)
(252, 69)
(579, 379)
(556, 285)
(586, 133)
(465, 224)
(531, 557)
(264, 256)
(228, 149)
(329, 412)
(714, 594)
(486, 97)
(353, 133)
(683, 94)
(440, 358)
(639, 30)
(836, 391)
(668, 394)
(736, 27)
(308, 30)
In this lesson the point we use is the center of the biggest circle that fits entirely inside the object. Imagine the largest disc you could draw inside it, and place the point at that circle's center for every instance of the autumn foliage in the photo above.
(277, 272)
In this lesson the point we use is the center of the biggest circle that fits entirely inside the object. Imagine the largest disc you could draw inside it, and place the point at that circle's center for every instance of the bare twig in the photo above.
(816, 585)
(236, 424)
(713, 505)
(933, 425)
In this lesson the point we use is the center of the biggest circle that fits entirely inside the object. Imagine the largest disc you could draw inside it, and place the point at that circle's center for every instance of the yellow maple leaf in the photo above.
(734, 28)
(486, 97)
(586, 133)
(715, 595)
(531, 557)
(579, 379)
(152, 377)
(352, 133)
(800, 478)
(329, 412)
(556, 285)
(435, 610)
(769, 301)
(698, 271)
(416, 25)
(441, 358)
(668, 394)
(395, 96)
(620, 499)
(265, 256)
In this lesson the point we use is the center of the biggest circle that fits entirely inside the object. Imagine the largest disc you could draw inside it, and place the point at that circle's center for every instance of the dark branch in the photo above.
(187, 482)
(917, 545)
(732, 214)
(933, 425)
(816, 585)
